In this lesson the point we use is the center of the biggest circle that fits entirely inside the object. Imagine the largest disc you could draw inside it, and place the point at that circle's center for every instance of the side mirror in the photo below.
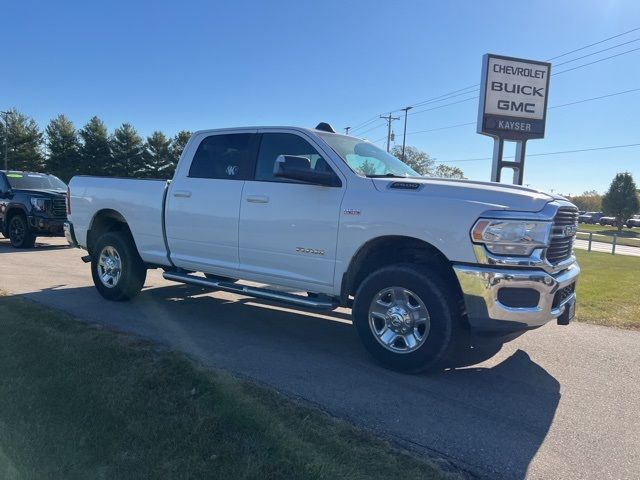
(299, 168)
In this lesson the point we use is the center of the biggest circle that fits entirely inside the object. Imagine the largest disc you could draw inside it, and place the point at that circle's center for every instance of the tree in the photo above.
(424, 164)
(63, 148)
(589, 201)
(621, 200)
(126, 149)
(178, 143)
(446, 171)
(420, 161)
(95, 152)
(157, 159)
(24, 150)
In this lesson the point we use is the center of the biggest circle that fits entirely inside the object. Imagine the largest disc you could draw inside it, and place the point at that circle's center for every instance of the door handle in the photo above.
(257, 199)
(182, 194)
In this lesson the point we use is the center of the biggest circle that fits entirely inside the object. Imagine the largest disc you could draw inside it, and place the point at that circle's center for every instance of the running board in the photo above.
(324, 303)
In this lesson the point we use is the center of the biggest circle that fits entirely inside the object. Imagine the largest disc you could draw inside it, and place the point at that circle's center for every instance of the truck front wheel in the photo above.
(117, 269)
(404, 318)
(19, 233)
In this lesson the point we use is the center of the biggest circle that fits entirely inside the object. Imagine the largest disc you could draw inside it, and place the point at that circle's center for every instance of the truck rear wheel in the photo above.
(19, 233)
(404, 318)
(116, 267)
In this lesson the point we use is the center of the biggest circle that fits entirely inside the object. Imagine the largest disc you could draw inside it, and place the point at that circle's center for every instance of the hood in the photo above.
(41, 192)
(496, 196)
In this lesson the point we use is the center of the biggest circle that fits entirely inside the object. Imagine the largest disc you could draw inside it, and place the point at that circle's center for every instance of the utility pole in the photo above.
(389, 119)
(404, 136)
(6, 139)
(346, 130)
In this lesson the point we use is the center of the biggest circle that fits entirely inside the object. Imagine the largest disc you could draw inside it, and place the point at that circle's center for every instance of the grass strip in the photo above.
(78, 401)
(608, 289)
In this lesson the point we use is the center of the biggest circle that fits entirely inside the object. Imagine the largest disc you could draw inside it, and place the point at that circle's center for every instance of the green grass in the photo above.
(78, 401)
(608, 289)
(628, 236)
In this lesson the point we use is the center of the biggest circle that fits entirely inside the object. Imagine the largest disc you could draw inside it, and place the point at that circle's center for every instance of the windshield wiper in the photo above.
(386, 175)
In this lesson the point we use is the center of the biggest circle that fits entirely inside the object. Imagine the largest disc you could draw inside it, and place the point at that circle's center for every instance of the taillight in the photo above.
(68, 200)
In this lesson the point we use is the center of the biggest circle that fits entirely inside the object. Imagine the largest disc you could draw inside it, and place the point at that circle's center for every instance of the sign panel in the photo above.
(513, 97)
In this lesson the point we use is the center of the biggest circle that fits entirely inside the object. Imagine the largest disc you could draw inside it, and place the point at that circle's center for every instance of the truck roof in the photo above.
(320, 129)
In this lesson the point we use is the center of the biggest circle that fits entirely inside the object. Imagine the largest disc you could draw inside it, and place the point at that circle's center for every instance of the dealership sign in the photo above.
(513, 97)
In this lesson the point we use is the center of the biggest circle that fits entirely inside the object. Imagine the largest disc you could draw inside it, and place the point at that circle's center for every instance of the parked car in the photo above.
(608, 221)
(633, 221)
(31, 205)
(591, 218)
(428, 266)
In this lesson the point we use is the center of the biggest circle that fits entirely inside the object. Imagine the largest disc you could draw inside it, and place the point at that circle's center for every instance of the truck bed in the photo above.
(140, 202)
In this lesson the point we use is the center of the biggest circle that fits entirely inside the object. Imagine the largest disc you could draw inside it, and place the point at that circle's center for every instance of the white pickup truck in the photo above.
(331, 220)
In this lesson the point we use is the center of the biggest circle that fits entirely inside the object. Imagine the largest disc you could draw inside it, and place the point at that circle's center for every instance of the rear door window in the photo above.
(226, 157)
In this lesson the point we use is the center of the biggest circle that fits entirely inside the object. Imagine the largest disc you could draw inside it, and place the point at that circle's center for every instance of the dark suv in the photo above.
(31, 205)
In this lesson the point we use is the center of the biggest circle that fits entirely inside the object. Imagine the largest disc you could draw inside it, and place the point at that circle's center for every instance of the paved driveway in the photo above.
(559, 402)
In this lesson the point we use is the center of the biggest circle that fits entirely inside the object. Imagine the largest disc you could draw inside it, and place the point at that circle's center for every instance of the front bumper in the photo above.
(46, 226)
(481, 286)
(70, 234)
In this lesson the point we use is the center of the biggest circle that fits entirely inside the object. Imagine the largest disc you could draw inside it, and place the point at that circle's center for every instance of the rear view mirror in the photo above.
(299, 168)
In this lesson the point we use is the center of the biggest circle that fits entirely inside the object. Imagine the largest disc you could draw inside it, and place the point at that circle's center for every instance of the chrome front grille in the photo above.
(565, 225)
(59, 207)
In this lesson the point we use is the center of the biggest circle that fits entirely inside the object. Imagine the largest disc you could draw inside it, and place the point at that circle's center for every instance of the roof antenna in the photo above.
(325, 127)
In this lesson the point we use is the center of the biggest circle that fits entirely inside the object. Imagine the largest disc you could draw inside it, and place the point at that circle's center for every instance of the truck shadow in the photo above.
(490, 418)
(5, 247)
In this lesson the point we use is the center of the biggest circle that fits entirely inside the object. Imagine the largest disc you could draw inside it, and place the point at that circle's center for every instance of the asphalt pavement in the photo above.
(558, 402)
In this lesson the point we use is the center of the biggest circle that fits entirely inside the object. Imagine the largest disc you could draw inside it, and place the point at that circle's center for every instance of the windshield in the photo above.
(34, 181)
(365, 158)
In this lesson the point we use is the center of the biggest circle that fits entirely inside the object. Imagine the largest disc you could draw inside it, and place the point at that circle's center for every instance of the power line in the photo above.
(457, 92)
(597, 52)
(594, 98)
(445, 105)
(597, 61)
(584, 100)
(593, 44)
(610, 147)
(553, 74)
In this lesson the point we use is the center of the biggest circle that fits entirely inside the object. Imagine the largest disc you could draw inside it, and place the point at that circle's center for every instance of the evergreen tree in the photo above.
(24, 151)
(621, 200)
(95, 151)
(127, 149)
(177, 145)
(157, 159)
(63, 159)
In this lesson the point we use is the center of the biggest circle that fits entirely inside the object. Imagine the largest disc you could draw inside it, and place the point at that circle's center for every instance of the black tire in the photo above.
(133, 272)
(438, 297)
(19, 233)
(220, 278)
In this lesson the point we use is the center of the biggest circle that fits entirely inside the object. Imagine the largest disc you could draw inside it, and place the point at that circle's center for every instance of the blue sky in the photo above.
(194, 65)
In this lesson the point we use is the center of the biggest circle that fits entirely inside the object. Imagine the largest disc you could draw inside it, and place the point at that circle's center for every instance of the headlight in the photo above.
(40, 204)
(511, 237)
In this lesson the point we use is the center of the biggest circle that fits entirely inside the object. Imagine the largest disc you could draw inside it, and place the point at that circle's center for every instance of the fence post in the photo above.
(613, 247)
(590, 240)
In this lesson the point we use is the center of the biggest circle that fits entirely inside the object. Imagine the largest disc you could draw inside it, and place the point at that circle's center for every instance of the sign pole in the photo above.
(496, 167)
(518, 168)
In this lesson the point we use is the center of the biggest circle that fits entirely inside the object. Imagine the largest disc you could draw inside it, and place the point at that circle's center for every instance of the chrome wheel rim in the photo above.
(109, 267)
(399, 320)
